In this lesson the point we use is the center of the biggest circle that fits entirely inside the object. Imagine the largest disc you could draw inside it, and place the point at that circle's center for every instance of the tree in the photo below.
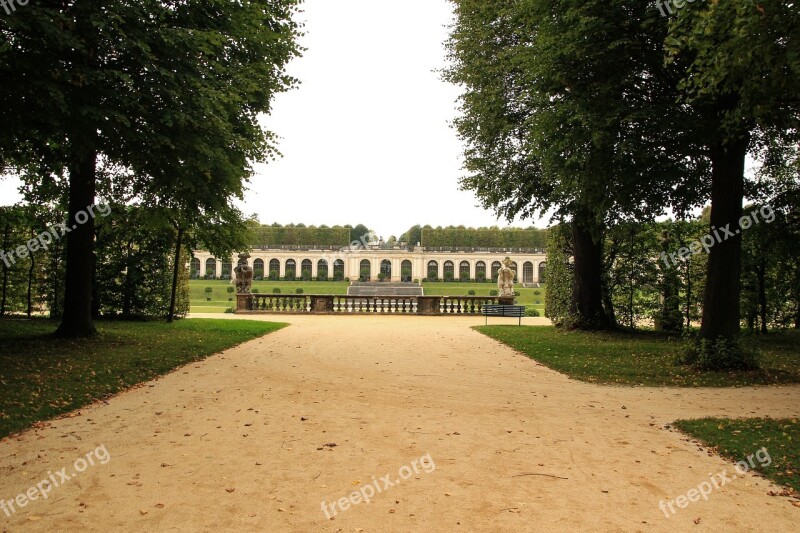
(135, 91)
(358, 231)
(564, 110)
(742, 82)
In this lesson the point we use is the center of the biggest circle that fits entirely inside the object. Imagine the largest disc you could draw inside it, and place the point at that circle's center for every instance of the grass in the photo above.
(219, 295)
(42, 377)
(738, 439)
(643, 358)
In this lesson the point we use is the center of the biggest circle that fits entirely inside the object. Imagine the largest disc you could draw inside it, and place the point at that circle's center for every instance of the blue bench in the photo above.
(515, 311)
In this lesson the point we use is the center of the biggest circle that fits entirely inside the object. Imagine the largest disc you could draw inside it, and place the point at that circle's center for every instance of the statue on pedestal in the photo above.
(244, 275)
(505, 279)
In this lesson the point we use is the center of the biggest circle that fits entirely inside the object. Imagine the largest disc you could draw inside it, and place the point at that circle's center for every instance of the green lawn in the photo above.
(643, 358)
(220, 297)
(42, 377)
(738, 439)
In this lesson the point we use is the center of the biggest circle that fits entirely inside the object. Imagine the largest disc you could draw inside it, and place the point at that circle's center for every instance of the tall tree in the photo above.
(145, 87)
(742, 81)
(564, 108)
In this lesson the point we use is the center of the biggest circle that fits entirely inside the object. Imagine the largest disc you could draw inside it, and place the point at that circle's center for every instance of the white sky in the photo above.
(366, 136)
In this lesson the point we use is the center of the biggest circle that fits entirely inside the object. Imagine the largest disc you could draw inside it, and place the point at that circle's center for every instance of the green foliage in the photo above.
(276, 290)
(298, 290)
(292, 235)
(471, 292)
(493, 292)
(306, 275)
(531, 311)
(133, 85)
(209, 290)
(44, 377)
(720, 354)
(483, 237)
(274, 275)
(559, 276)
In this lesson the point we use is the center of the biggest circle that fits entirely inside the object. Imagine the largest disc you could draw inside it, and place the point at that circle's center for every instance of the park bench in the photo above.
(516, 311)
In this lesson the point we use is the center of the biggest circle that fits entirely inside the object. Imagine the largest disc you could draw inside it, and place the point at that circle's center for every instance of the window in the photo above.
(433, 270)
(365, 270)
(480, 271)
(338, 270)
(405, 271)
(496, 266)
(527, 272)
(449, 271)
(463, 270)
(322, 269)
(194, 268)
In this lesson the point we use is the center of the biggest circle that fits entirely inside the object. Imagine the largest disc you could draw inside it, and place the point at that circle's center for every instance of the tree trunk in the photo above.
(6, 243)
(30, 284)
(175, 270)
(762, 293)
(77, 319)
(587, 290)
(721, 316)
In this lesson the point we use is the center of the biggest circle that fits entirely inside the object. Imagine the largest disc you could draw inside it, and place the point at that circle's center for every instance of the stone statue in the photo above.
(505, 279)
(244, 275)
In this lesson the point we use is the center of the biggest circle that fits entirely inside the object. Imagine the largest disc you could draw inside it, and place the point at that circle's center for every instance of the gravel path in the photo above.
(258, 437)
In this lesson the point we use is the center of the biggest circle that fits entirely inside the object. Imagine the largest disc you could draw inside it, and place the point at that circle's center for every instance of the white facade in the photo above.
(395, 263)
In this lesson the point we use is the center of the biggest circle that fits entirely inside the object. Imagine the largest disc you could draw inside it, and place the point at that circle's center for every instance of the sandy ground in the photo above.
(244, 441)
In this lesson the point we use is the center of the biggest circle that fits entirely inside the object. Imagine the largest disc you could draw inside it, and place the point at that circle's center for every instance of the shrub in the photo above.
(480, 277)
(209, 291)
(322, 276)
(471, 292)
(258, 274)
(531, 311)
(463, 277)
(273, 275)
(448, 277)
(229, 310)
(306, 274)
(364, 275)
(537, 293)
(381, 276)
(289, 275)
(299, 290)
(347, 280)
(255, 290)
(516, 293)
(721, 354)
(493, 292)
(276, 290)
(230, 291)
(417, 281)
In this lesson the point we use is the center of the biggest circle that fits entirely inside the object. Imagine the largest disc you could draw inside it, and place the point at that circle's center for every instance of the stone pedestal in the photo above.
(244, 302)
(321, 305)
(506, 300)
(428, 305)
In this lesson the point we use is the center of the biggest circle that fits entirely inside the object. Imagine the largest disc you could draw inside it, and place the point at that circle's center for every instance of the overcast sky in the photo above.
(366, 136)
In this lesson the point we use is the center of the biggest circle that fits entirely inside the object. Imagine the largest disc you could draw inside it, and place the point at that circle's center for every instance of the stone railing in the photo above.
(363, 305)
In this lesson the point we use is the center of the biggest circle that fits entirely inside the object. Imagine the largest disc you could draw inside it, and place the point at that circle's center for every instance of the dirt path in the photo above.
(244, 441)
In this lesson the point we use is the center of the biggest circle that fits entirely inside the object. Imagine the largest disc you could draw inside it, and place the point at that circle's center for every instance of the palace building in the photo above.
(372, 262)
